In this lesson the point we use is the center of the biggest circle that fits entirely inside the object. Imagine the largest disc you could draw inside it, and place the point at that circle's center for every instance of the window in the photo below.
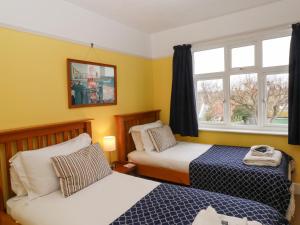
(277, 98)
(243, 56)
(276, 51)
(209, 61)
(211, 97)
(243, 99)
(243, 85)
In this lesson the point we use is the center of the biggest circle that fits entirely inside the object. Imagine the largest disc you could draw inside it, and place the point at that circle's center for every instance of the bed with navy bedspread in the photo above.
(221, 170)
(171, 204)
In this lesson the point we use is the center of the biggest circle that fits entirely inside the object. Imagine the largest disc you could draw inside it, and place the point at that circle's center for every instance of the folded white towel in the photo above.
(273, 160)
(269, 152)
(209, 216)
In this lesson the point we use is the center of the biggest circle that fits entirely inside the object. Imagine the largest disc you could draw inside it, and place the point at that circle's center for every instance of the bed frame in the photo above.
(13, 141)
(125, 145)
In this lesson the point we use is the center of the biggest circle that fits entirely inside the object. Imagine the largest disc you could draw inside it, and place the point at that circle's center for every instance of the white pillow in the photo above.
(18, 168)
(137, 139)
(147, 143)
(35, 170)
(16, 184)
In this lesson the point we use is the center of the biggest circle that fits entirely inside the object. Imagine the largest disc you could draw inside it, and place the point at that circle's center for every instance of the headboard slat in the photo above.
(49, 141)
(58, 138)
(20, 146)
(73, 133)
(40, 142)
(34, 137)
(30, 143)
(66, 136)
(124, 122)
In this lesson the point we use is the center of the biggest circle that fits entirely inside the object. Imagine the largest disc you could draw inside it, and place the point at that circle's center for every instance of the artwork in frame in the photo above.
(91, 84)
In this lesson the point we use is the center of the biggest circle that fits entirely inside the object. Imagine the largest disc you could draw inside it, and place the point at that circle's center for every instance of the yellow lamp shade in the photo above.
(109, 143)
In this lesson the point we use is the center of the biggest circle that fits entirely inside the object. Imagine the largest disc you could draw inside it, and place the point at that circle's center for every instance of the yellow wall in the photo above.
(33, 82)
(33, 89)
(162, 80)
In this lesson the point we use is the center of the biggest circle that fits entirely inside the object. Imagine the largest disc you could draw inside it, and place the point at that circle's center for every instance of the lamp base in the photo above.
(112, 164)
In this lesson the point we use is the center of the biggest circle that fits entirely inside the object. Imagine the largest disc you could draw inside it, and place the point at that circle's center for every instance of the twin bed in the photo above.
(117, 198)
(209, 167)
(140, 202)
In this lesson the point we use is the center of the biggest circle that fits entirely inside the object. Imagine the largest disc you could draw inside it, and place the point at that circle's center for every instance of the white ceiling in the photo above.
(157, 15)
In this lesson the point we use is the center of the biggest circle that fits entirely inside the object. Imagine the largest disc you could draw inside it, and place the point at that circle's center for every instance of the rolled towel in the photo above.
(210, 216)
(255, 150)
(273, 160)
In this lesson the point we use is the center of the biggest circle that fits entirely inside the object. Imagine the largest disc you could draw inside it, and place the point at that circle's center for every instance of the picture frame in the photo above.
(91, 84)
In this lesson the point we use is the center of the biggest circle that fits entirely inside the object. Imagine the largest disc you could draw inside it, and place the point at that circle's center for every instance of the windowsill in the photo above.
(244, 131)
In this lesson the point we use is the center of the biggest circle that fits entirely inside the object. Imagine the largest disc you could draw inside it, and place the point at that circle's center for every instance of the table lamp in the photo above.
(109, 145)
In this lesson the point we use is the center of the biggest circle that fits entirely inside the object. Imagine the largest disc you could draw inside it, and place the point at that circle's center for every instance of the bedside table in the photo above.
(121, 168)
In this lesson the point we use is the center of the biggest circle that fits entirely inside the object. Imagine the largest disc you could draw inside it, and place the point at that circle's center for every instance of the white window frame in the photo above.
(255, 39)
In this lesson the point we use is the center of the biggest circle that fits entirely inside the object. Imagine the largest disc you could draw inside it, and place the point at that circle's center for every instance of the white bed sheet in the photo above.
(176, 158)
(100, 203)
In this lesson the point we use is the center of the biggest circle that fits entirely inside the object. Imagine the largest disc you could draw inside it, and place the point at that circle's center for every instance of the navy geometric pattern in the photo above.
(171, 204)
(221, 170)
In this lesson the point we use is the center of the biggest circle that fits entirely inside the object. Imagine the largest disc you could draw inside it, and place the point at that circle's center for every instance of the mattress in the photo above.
(176, 158)
(92, 205)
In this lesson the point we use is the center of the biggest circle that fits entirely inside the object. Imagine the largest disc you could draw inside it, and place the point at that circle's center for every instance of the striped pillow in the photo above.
(162, 138)
(80, 169)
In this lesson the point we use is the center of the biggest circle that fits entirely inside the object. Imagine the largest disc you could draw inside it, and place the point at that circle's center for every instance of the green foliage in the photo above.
(241, 112)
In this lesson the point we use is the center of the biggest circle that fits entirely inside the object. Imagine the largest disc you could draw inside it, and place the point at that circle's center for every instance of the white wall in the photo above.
(267, 16)
(64, 20)
(57, 18)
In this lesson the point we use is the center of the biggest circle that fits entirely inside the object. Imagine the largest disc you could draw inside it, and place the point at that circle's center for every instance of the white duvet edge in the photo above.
(130, 190)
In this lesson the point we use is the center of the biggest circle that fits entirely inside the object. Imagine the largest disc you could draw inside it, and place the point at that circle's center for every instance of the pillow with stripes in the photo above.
(80, 169)
(162, 138)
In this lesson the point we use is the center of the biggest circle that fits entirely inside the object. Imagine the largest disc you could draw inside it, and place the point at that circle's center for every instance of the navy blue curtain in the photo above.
(294, 87)
(183, 115)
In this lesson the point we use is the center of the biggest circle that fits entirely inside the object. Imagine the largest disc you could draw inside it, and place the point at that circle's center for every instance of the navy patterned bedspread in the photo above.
(170, 204)
(221, 169)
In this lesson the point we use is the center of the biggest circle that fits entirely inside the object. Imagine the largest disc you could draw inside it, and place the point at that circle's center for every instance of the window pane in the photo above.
(210, 98)
(243, 56)
(277, 98)
(209, 61)
(276, 51)
(243, 99)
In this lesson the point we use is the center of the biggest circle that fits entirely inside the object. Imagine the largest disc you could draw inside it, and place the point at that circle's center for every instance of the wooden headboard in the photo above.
(30, 138)
(124, 122)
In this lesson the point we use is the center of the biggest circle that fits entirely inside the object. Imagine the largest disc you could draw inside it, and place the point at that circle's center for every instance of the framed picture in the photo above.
(91, 84)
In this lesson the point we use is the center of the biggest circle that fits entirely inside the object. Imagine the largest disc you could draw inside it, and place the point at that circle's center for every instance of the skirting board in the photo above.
(297, 188)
